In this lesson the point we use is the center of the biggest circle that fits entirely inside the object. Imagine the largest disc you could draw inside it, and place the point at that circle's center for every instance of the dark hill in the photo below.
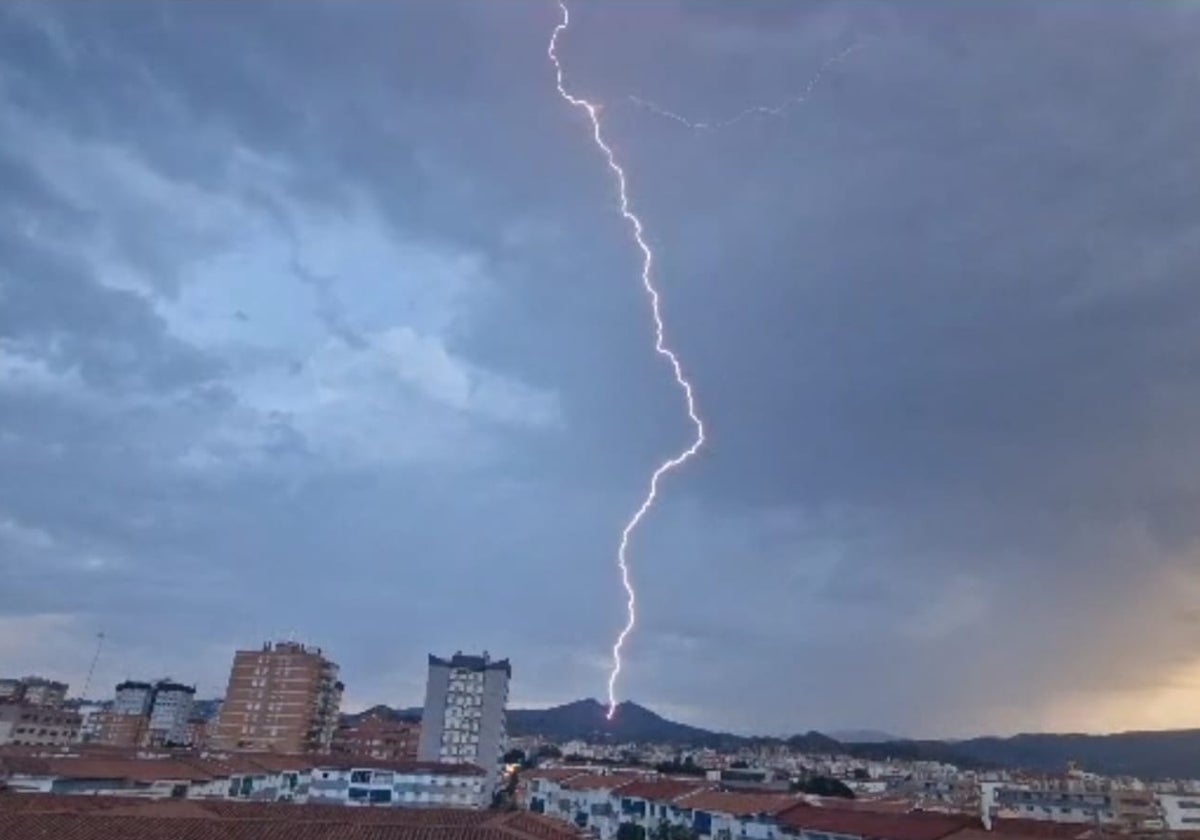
(1150, 755)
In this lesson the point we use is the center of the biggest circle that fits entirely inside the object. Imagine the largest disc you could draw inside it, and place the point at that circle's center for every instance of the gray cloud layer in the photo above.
(321, 321)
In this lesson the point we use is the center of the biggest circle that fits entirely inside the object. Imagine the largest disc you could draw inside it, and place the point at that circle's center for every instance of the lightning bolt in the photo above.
(660, 346)
(755, 110)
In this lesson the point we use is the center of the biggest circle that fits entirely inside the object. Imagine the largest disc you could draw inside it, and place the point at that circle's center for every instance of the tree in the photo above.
(514, 757)
(688, 768)
(824, 786)
(630, 831)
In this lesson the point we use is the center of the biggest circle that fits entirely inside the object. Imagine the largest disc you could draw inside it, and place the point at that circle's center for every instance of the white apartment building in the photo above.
(133, 698)
(1181, 811)
(170, 711)
(464, 720)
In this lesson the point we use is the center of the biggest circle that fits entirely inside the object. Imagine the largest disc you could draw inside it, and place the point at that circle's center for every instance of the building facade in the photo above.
(116, 729)
(41, 726)
(364, 782)
(33, 691)
(170, 710)
(133, 698)
(465, 716)
(146, 714)
(379, 735)
(283, 698)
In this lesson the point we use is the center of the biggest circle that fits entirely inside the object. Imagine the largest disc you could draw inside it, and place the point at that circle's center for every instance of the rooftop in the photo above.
(662, 790)
(483, 662)
(87, 762)
(600, 781)
(873, 825)
(118, 818)
(738, 804)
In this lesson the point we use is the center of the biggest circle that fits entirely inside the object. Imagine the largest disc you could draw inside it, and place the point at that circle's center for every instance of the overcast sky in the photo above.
(318, 321)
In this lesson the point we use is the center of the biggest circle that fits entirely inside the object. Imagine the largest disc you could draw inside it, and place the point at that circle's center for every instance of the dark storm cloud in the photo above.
(939, 317)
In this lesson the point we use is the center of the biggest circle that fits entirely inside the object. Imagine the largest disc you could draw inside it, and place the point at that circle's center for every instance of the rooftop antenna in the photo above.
(87, 683)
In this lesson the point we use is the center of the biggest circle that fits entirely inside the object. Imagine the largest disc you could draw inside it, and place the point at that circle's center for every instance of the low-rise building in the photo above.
(1180, 811)
(33, 691)
(723, 815)
(418, 784)
(23, 724)
(651, 803)
(1077, 798)
(591, 801)
(118, 729)
(255, 777)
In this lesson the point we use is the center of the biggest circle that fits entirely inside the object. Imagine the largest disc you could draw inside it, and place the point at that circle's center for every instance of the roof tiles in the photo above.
(737, 804)
(875, 826)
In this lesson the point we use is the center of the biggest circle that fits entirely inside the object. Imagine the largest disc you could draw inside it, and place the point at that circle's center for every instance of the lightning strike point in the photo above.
(660, 346)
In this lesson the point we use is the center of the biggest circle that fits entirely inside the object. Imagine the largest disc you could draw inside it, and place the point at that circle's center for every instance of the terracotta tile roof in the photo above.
(149, 770)
(982, 834)
(880, 806)
(662, 790)
(57, 817)
(737, 804)
(553, 774)
(597, 781)
(1038, 828)
(875, 826)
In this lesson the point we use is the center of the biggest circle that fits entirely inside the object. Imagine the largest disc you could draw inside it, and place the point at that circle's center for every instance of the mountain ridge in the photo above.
(1153, 754)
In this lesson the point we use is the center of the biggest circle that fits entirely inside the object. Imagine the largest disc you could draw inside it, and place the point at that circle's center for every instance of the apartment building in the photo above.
(146, 714)
(133, 698)
(170, 710)
(378, 734)
(465, 716)
(41, 726)
(1074, 797)
(33, 691)
(117, 729)
(281, 698)
(1181, 811)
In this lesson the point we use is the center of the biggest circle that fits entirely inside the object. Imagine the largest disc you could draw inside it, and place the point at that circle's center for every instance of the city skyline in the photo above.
(297, 347)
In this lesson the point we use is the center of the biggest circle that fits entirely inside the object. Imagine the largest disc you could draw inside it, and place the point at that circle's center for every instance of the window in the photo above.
(360, 777)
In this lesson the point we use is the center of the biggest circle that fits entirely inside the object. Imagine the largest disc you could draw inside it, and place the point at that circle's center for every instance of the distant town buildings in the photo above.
(465, 716)
(283, 698)
(34, 691)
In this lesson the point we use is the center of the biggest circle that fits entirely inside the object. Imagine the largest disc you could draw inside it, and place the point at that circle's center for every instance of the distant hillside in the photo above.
(381, 710)
(586, 720)
(1166, 754)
